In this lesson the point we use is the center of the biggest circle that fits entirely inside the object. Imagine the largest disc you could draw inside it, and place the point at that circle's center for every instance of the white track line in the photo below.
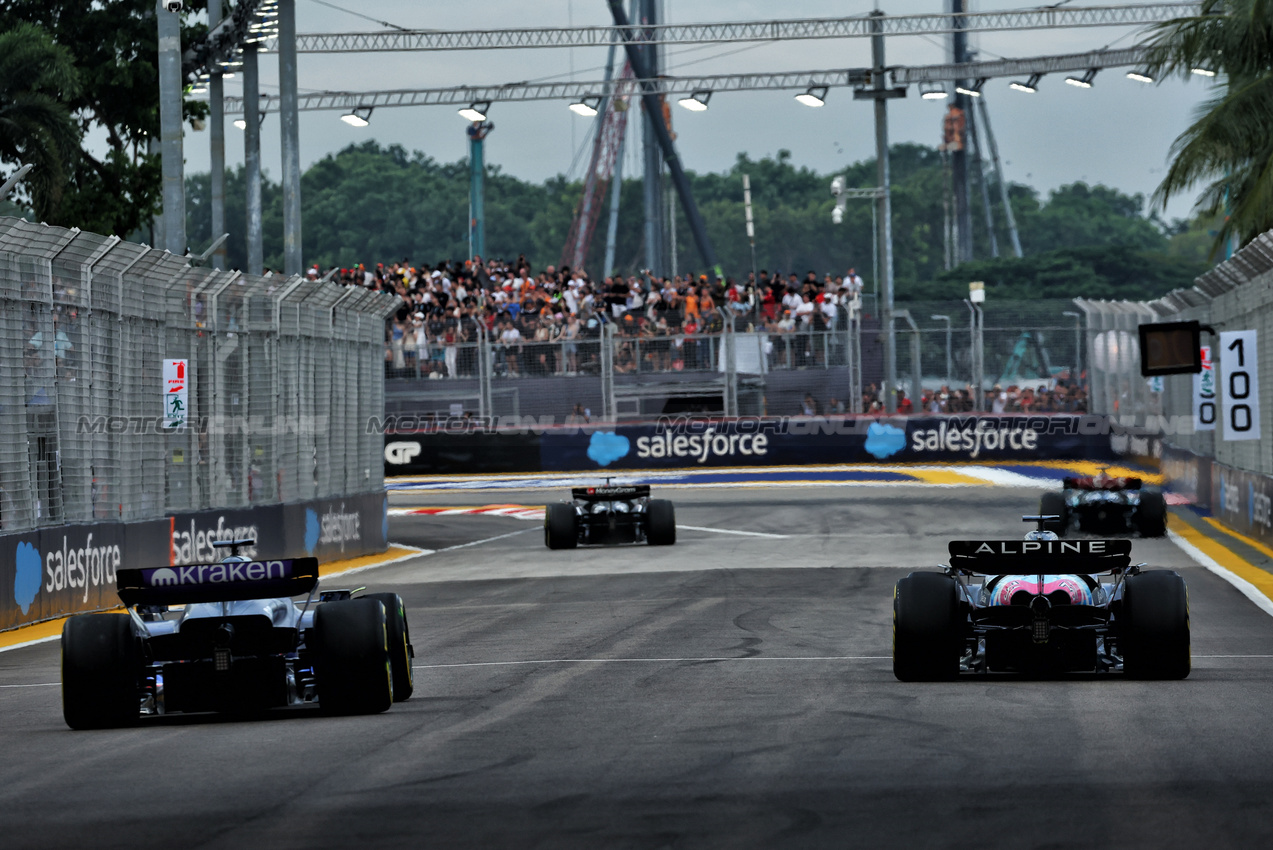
(480, 542)
(649, 660)
(36, 685)
(732, 531)
(1244, 587)
(27, 643)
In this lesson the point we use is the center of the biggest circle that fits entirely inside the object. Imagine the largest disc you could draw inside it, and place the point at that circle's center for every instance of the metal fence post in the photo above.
(728, 351)
(608, 411)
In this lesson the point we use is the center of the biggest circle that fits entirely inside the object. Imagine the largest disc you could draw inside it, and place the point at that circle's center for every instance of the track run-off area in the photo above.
(732, 690)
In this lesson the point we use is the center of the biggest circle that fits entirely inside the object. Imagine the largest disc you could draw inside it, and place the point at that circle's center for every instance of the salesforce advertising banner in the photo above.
(688, 442)
(67, 569)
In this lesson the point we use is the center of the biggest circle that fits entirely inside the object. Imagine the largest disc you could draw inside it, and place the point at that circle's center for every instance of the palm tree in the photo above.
(37, 78)
(1229, 147)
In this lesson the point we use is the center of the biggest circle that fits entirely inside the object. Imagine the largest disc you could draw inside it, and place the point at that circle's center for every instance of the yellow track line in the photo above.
(1260, 579)
(1250, 541)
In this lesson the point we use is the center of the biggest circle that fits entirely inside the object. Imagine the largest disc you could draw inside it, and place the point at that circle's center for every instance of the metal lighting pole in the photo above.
(949, 367)
(291, 135)
(751, 228)
(216, 127)
(1078, 342)
(174, 190)
(652, 182)
(478, 132)
(252, 157)
(883, 203)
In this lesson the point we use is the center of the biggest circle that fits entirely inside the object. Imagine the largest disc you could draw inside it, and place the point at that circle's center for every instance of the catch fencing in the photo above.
(1236, 295)
(282, 375)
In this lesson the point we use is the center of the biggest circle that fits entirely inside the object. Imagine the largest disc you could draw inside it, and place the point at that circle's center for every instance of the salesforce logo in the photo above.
(312, 530)
(883, 440)
(162, 578)
(27, 575)
(605, 448)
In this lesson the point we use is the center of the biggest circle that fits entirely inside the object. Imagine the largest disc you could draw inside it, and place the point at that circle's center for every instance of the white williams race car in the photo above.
(227, 637)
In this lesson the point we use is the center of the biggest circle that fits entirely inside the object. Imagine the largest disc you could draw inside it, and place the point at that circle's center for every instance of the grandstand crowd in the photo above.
(549, 322)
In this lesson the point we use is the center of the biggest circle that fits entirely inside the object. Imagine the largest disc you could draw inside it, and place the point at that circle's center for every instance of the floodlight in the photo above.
(813, 96)
(974, 90)
(587, 106)
(1083, 82)
(360, 117)
(476, 111)
(1030, 86)
(696, 102)
(1141, 76)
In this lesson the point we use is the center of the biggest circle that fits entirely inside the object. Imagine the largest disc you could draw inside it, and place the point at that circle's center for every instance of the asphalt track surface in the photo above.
(729, 691)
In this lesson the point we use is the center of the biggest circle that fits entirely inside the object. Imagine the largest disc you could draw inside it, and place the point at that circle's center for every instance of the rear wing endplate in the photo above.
(1000, 557)
(227, 582)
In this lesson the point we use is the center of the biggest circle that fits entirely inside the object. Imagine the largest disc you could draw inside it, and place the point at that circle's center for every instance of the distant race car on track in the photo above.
(610, 514)
(1041, 605)
(1105, 504)
(227, 637)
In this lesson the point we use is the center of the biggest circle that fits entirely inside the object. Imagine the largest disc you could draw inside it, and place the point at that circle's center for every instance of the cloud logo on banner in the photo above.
(884, 440)
(607, 447)
(26, 578)
(312, 530)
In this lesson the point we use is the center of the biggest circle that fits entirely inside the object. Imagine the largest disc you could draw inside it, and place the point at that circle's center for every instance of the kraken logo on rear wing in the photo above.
(999, 557)
(225, 582)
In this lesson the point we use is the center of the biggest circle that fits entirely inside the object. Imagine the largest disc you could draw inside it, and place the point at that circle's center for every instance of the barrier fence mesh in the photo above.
(283, 376)
(463, 368)
(1236, 295)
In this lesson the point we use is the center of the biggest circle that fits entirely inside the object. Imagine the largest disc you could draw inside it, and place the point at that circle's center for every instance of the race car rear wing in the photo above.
(610, 494)
(1000, 557)
(227, 582)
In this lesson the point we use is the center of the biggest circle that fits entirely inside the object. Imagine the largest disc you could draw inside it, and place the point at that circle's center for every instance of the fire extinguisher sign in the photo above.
(176, 393)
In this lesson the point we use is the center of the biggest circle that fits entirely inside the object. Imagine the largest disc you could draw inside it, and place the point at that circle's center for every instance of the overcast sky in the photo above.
(1117, 133)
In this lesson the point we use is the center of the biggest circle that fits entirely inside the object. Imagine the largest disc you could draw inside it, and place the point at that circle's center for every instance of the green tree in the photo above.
(114, 44)
(37, 78)
(1229, 147)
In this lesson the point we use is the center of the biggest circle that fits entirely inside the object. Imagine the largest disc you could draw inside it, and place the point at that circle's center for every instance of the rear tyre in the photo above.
(401, 652)
(927, 628)
(1053, 504)
(101, 664)
(561, 530)
(1153, 631)
(660, 522)
(1151, 514)
(351, 657)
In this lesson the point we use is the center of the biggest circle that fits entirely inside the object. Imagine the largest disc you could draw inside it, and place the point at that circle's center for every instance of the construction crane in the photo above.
(601, 168)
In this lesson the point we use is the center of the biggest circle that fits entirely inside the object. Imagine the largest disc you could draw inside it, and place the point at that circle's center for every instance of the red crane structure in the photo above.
(601, 167)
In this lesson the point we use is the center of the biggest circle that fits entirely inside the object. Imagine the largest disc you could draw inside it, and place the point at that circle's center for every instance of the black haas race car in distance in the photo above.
(1105, 504)
(228, 637)
(607, 515)
(1041, 606)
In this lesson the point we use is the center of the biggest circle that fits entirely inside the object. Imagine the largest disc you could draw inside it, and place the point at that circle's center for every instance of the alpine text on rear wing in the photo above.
(998, 557)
